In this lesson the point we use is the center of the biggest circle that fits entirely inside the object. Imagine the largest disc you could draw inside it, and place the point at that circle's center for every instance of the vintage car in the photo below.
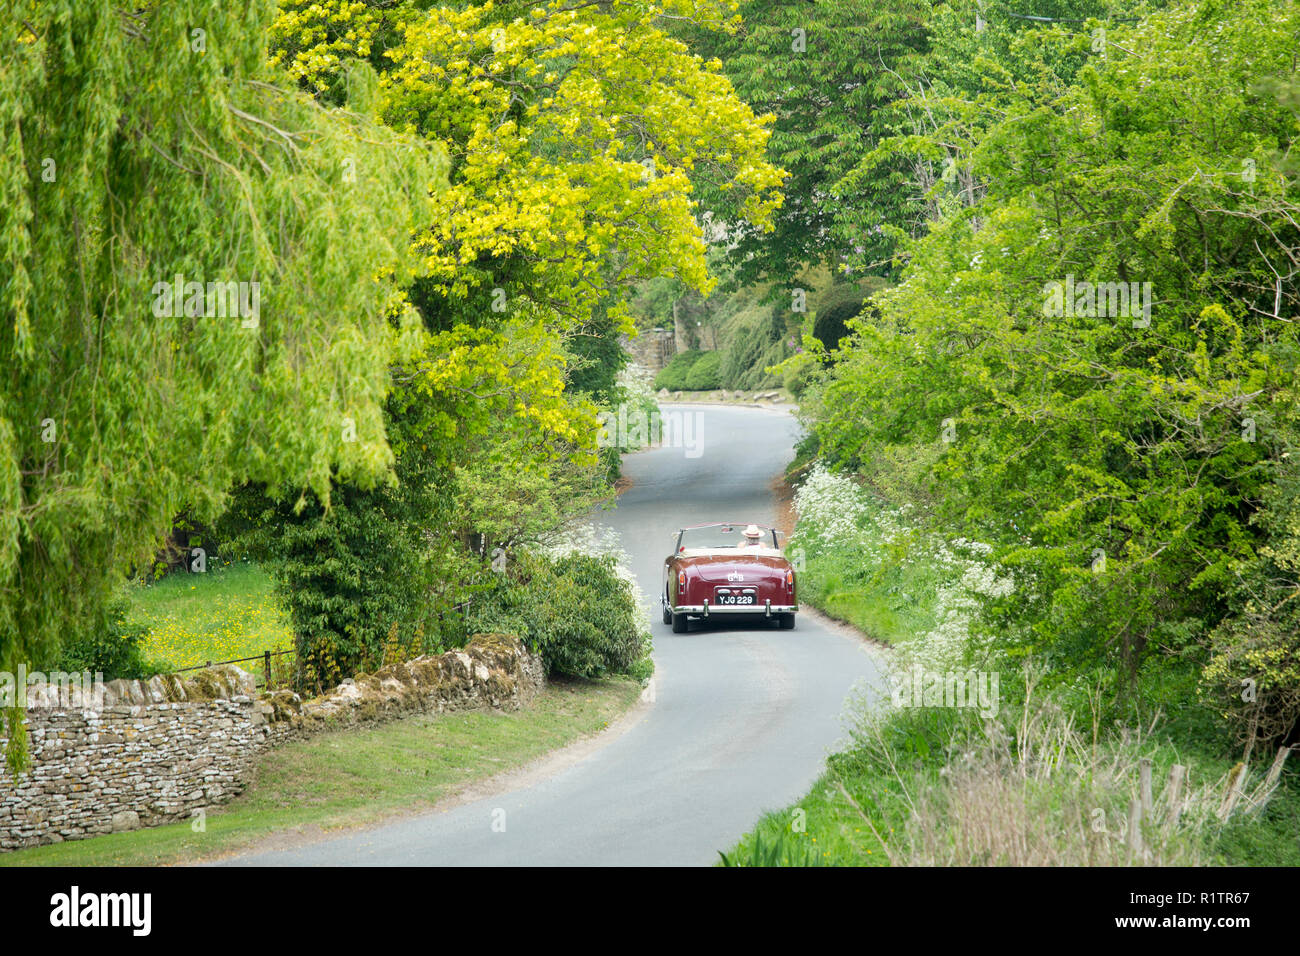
(724, 569)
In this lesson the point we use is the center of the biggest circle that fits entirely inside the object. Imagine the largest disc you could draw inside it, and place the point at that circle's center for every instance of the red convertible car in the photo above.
(717, 570)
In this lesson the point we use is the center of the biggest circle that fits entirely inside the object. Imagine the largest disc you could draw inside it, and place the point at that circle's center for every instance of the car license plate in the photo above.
(736, 599)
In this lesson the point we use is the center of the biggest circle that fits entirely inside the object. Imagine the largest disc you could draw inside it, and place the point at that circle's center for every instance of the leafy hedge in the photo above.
(575, 610)
(354, 579)
(835, 307)
(109, 645)
(705, 374)
(692, 371)
(673, 376)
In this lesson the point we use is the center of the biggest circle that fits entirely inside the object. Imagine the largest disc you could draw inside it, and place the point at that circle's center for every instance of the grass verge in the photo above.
(931, 788)
(351, 778)
(890, 601)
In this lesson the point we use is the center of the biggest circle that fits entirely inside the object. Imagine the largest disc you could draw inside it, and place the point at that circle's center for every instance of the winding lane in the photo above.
(739, 720)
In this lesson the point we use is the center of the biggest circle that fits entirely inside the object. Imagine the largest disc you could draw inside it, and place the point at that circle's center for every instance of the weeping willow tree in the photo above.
(199, 286)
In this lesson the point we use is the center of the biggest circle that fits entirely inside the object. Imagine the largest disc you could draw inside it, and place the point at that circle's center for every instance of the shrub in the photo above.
(673, 375)
(704, 374)
(354, 580)
(836, 306)
(575, 610)
(797, 372)
(1254, 672)
(109, 646)
(611, 463)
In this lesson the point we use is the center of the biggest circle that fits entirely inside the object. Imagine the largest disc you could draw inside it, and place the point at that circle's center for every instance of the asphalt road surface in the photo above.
(738, 721)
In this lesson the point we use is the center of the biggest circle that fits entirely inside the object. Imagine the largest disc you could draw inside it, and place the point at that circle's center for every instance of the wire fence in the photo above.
(288, 676)
(265, 680)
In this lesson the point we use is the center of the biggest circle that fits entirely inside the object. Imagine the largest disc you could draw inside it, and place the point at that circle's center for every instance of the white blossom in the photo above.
(835, 514)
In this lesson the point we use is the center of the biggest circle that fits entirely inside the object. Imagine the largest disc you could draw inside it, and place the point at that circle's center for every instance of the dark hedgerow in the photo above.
(575, 610)
(107, 645)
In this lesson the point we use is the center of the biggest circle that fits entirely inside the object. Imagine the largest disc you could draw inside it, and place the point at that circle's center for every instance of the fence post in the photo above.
(1144, 778)
(1135, 828)
(1236, 783)
(1274, 773)
(1174, 794)
(267, 659)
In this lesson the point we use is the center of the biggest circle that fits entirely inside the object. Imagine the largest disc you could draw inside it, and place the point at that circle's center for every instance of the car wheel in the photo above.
(787, 622)
(668, 614)
(679, 623)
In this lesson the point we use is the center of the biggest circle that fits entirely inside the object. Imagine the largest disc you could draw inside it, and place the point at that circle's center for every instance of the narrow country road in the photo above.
(740, 721)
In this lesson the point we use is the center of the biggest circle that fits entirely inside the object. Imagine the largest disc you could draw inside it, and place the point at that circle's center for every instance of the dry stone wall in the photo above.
(156, 751)
(652, 348)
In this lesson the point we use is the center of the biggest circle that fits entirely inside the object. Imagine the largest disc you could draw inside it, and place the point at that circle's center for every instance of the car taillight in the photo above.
(789, 579)
(681, 579)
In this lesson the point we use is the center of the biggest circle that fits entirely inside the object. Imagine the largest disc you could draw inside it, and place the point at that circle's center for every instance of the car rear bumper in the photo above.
(767, 609)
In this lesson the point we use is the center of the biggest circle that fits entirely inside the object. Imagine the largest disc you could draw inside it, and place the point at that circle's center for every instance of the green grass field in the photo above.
(355, 777)
(225, 613)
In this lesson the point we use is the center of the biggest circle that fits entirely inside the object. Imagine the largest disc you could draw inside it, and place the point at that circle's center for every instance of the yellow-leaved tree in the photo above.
(579, 137)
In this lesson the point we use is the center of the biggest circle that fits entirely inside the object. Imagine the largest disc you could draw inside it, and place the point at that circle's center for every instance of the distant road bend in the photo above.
(740, 722)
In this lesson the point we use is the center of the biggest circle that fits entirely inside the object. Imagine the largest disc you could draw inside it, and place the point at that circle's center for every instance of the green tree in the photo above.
(1118, 463)
(980, 58)
(826, 71)
(138, 144)
(575, 133)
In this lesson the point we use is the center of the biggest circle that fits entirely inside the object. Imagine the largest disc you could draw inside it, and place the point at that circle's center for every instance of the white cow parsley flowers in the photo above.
(835, 514)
